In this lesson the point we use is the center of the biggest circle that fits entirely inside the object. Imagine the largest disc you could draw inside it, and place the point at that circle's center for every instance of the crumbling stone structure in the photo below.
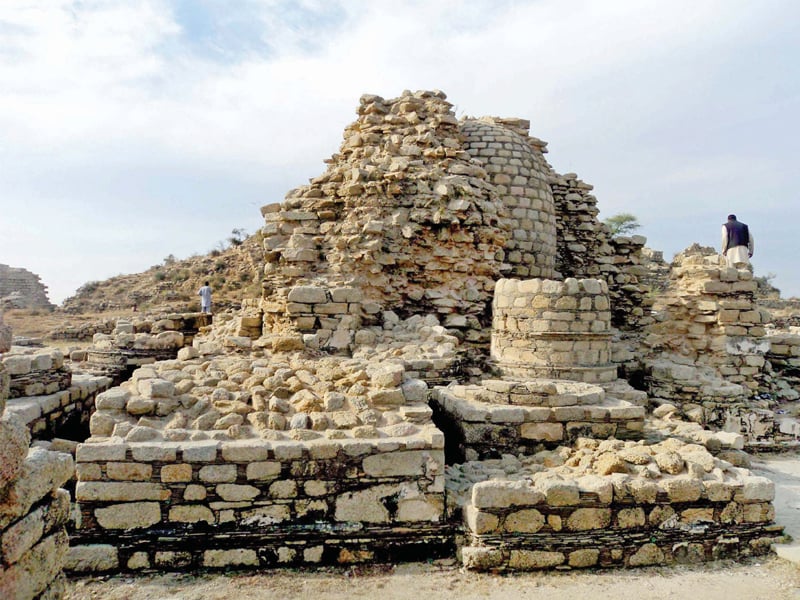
(301, 432)
(46, 396)
(33, 507)
(20, 288)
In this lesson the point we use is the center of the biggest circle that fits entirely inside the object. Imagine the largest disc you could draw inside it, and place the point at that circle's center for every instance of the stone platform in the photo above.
(498, 416)
(212, 504)
(614, 504)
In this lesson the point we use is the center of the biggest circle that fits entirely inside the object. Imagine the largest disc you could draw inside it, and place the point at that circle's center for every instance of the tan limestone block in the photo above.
(583, 519)
(119, 492)
(92, 558)
(407, 463)
(263, 470)
(502, 494)
(524, 521)
(129, 471)
(692, 515)
(481, 558)
(534, 559)
(480, 522)
(758, 513)
(682, 489)
(586, 557)
(191, 513)
(230, 558)
(218, 473)
(138, 560)
(237, 493)
(648, 554)
(421, 509)
(130, 515)
(194, 492)
(176, 473)
(365, 505)
(284, 488)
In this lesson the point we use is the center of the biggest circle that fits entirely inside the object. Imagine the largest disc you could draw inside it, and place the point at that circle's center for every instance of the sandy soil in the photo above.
(771, 578)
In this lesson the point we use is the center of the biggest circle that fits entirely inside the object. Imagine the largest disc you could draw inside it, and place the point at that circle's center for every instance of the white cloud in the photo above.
(644, 99)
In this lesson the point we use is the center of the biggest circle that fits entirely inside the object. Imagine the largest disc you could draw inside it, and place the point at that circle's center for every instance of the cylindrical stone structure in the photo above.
(516, 166)
(554, 329)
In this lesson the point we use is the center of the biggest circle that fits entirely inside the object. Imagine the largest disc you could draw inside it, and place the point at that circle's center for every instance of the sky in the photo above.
(131, 130)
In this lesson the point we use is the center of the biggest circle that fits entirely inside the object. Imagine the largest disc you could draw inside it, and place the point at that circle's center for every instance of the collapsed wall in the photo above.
(19, 288)
(708, 347)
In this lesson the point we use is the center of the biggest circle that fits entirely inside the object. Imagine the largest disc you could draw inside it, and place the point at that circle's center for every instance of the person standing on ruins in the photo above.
(737, 243)
(205, 298)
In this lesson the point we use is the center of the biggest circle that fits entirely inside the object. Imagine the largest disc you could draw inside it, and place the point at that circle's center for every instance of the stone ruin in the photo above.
(432, 369)
(34, 509)
(20, 288)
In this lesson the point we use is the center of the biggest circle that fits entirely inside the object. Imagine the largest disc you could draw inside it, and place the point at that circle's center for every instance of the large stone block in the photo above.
(129, 515)
(407, 463)
(92, 558)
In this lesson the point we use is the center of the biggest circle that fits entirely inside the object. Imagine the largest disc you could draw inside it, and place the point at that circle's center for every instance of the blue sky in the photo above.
(131, 130)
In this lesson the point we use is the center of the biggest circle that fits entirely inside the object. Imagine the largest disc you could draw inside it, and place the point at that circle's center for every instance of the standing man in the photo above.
(205, 298)
(737, 243)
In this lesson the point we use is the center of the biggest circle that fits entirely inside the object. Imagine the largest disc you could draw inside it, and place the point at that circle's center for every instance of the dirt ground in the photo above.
(771, 578)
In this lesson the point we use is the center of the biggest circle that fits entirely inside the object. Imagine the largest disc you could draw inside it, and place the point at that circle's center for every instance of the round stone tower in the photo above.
(553, 329)
(515, 164)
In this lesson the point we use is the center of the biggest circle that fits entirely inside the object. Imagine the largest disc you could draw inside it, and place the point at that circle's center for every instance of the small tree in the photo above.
(622, 224)
(238, 236)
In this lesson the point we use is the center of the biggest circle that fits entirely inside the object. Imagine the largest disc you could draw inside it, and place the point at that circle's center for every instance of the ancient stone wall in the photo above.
(20, 288)
(33, 508)
(515, 164)
(403, 212)
(586, 249)
(601, 509)
(258, 503)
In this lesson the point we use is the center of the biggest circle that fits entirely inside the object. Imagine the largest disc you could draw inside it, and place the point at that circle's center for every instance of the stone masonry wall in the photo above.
(586, 249)
(515, 164)
(600, 508)
(20, 288)
(256, 503)
(403, 213)
(33, 508)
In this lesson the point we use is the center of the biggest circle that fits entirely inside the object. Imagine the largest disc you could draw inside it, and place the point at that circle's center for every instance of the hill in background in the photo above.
(233, 273)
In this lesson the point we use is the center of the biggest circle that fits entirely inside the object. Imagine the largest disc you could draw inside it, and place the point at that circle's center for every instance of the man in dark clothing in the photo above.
(737, 243)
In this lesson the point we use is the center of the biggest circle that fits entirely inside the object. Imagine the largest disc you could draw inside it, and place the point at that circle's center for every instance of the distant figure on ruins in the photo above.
(737, 243)
(205, 298)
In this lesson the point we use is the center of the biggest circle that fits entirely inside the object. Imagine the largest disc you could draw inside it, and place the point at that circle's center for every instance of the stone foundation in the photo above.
(600, 509)
(504, 417)
(257, 503)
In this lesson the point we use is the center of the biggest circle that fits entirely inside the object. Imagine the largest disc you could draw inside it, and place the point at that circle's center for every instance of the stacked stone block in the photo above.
(33, 508)
(403, 213)
(46, 396)
(586, 249)
(710, 315)
(784, 355)
(505, 417)
(327, 317)
(36, 372)
(19, 288)
(546, 328)
(619, 506)
(142, 341)
(256, 503)
(515, 164)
